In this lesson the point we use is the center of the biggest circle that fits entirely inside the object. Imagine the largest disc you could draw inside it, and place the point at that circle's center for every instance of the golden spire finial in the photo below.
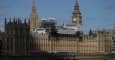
(33, 2)
(76, 7)
(76, 4)
(33, 7)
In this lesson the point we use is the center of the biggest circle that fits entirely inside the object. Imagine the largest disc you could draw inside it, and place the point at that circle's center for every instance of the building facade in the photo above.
(99, 44)
(17, 38)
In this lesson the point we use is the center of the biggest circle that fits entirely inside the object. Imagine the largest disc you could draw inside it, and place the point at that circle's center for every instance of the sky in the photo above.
(96, 14)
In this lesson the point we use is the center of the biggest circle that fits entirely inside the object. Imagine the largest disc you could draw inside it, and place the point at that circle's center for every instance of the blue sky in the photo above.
(96, 13)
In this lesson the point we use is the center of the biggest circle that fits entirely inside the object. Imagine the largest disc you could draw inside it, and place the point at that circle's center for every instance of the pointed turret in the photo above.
(76, 4)
(33, 18)
(14, 19)
(33, 8)
(25, 20)
(76, 18)
(10, 20)
(5, 21)
(76, 9)
(19, 20)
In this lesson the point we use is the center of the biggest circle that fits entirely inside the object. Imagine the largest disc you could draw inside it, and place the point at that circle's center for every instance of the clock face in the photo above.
(74, 19)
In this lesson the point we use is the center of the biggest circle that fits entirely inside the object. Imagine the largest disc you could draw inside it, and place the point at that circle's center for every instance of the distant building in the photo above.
(48, 25)
(38, 31)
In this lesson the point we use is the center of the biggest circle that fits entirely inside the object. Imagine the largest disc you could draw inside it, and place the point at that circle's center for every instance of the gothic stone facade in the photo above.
(16, 40)
(100, 44)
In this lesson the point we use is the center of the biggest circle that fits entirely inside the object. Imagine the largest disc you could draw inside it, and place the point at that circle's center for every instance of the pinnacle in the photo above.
(76, 4)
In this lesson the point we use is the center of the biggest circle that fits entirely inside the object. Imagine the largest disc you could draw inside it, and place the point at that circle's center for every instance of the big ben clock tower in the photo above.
(76, 22)
(76, 17)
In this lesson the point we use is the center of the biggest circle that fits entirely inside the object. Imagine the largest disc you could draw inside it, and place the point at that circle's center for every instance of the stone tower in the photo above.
(34, 18)
(76, 17)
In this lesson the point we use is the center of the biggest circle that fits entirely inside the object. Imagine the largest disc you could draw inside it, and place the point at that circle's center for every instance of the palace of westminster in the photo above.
(32, 37)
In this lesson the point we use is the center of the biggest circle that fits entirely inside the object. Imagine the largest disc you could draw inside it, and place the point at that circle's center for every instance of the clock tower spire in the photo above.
(76, 17)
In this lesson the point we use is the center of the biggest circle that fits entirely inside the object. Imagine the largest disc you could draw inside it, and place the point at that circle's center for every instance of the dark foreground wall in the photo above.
(56, 58)
(23, 58)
